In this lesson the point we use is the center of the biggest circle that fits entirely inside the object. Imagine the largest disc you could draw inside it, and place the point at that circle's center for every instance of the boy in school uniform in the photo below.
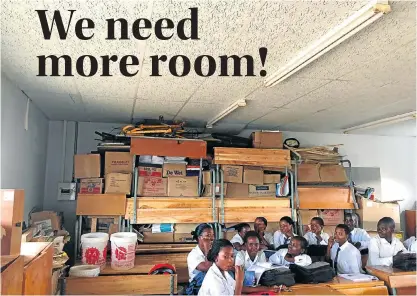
(357, 236)
(345, 258)
(295, 254)
(316, 236)
(385, 245)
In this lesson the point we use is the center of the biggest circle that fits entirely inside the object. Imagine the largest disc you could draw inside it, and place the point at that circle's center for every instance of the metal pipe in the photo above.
(292, 193)
(135, 175)
(297, 200)
(200, 174)
(75, 150)
(352, 190)
(80, 228)
(64, 144)
(222, 196)
(120, 223)
(76, 239)
(213, 194)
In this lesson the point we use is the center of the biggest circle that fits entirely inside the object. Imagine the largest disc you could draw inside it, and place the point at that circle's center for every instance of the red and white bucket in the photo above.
(123, 250)
(94, 248)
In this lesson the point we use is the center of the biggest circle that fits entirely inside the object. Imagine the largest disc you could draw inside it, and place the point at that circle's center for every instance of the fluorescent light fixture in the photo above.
(356, 22)
(225, 112)
(382, 122)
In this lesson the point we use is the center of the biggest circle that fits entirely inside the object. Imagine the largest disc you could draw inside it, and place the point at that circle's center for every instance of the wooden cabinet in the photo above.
(37, 271)
(11, 275)
(410, 222)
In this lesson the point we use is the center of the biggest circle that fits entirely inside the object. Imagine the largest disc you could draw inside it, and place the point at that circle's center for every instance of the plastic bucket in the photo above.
(94, 248)
(123, 249)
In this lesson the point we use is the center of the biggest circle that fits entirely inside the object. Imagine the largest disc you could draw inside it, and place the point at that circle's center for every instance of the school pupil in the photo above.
(283, 236)
(295, 254)
(267, 239)
(384, 246)
(252, 256)
(316, 236)
(197, 261)
(218, 281)
(357, 236)
(237, 240)
(345, 257)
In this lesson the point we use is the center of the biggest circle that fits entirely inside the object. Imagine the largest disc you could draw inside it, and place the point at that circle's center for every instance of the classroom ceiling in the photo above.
(368, 77)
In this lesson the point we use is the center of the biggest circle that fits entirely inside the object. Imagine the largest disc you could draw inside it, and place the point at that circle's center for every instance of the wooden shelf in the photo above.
(168, 147)
(252, 156)
(101, 204)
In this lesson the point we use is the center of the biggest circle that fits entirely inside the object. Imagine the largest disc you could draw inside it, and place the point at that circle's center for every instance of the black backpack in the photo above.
(318, 272)
(276, 277)
(405, 261)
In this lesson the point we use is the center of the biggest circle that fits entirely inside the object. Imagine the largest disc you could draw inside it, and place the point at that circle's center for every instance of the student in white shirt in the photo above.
(411, 244)
(346, 258)
(295, 254)
(197, 259)
(357, 236)
(267, 240)
(252, 256)
(237, 240)
(218, 281)
(316, 236)
(384, 246)
(283, 236)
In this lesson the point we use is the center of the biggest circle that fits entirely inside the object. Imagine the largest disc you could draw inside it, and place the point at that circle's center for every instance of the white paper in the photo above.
(359, 277)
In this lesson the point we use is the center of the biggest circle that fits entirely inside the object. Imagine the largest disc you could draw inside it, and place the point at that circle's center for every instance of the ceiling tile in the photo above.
(150, 109)
(108, 109)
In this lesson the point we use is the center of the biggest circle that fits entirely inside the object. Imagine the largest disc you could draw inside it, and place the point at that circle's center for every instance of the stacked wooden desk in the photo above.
(400, 282)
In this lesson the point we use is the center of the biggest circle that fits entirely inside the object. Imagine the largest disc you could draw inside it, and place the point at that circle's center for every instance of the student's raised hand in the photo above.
(239, 274)
(331, 242)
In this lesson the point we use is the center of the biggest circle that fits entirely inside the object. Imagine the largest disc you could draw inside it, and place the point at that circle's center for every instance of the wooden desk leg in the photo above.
(93, 224)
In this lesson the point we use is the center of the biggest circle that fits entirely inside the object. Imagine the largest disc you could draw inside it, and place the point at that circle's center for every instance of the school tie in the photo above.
(335, 260)
(350, 237)
(286, 240)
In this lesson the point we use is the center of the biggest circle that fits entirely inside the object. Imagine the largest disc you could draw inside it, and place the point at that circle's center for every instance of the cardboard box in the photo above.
(332, 217)
(308, 173)
(118, 183)
(165, 237)
(207, 190)
(118, 162)
(206, 177)
(253, 175)
(12, 209)
(371, 212)
(49, 219)
(174, 169)
(183, 237)
(91, 186)
(307, 215)
(183, 186)
(265, 190)
(233, 173)
(150, 171)
(267, 140)
(152, 186)
(271, 178)
(333, 174)
(87, 166)
(237, 190)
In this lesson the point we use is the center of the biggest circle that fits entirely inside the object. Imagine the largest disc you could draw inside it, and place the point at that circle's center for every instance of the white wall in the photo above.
(23, 153)
(395, 156)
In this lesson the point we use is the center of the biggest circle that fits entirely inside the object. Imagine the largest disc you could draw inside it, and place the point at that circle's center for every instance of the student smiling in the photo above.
(295, 254)
(283, 236)
(316, 236)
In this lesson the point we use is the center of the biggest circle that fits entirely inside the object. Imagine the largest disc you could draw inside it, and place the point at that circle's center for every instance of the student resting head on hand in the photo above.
(283, 236)
(357, 236)
(237, 240)
(316, 236)
(218, 281)
(267, 239)
(295, 254)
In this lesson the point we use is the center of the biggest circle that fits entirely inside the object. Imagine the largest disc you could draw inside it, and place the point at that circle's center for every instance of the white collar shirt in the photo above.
(279, 259)
(217, 282)
(359, 235)
(194, 258)
(381, 251)
(312, 240)
(349, 260)
(243, 259)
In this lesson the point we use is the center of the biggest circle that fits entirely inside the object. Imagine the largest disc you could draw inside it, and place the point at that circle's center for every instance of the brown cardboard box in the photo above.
(182, 237)
(253, 175)
(152, 186)
(46, 218)
(233, 173)
(237, 190)
(206, 177)
(267, 140)
(118, 162)
(272, 178)
(183, 186)
(307, 215)
(164, 237)
(370, 212)
(266, 190)
(118, 183)
(333, 174)
(207, 190)
(12, 208)
(332, 217)
(410, 222)
(174, 170)
(87, 166)
(150, 171)
(91, 186)
(308, 173)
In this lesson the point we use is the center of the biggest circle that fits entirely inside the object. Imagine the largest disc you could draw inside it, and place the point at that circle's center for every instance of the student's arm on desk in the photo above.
(374, 258)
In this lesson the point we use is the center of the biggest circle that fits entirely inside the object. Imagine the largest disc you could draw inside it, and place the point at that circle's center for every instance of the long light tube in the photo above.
(225, 112)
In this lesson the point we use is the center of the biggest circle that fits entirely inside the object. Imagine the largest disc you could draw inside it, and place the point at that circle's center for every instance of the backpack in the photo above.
(276, 277)
(318, 272)
(404, 261)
